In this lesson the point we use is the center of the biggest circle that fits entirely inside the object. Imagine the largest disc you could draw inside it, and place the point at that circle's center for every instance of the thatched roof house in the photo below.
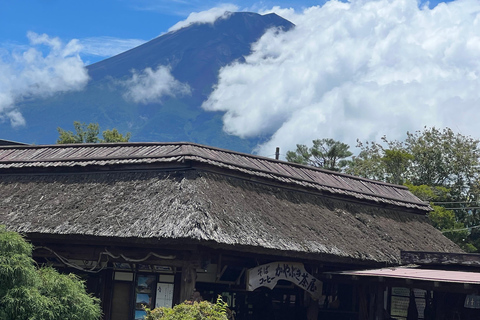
(188, 193)
(150, 222)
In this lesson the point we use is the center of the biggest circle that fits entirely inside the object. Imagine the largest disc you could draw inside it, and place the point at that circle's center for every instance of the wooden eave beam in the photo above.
(470, 260)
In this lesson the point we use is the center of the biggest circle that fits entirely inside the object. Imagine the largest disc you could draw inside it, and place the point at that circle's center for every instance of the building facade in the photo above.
(154, 224)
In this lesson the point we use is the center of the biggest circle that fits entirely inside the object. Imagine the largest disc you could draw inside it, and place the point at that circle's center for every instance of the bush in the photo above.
(190, 311)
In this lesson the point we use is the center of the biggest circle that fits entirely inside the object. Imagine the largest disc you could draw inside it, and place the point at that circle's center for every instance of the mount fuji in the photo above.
(191, 56)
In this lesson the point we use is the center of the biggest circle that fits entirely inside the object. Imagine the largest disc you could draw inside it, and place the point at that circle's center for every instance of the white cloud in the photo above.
(208, 16)
(31, 73)
(108, 46)
(16, 118)
(152, 85)
(361, 69)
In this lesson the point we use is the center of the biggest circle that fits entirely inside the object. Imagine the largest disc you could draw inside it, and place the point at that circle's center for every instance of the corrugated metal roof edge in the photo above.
(186, 153)
(123, 144)
(417, 205)
(415, 273)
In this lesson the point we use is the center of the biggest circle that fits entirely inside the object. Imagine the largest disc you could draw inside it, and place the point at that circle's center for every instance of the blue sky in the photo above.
(109, 20)
(125, 20)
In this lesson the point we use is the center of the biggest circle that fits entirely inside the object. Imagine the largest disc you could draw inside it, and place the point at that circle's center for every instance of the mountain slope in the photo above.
(194, 55)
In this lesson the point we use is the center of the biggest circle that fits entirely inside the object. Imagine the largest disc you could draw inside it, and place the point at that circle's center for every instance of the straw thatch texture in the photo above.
(217, 210)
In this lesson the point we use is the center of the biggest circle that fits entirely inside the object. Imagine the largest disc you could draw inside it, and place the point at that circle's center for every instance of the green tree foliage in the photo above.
(302, 155)
(443, 158)
(115, 136)
(83, 133)
(325, 153)
(368, 163)
(190, 311)
(430, 157)
(41, 294)
(89, 134)
(390, 164)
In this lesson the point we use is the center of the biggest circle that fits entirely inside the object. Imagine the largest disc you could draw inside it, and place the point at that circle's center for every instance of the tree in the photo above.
(89, 134)
(443, 158)
(446, 159)
(302, 155)
(368, 163)
(430, 157)
(83, 133)
(325, 153)
(390, 164)
(27, 292)
(115, 136)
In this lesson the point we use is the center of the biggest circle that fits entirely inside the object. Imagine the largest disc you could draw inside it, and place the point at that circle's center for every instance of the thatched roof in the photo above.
(239, 212)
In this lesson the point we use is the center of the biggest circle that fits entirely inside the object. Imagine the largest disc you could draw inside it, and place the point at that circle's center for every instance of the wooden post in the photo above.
(107, 292)
(312, 307)
(362, 302)
(187, 285)
(380, 301)
(371, 305)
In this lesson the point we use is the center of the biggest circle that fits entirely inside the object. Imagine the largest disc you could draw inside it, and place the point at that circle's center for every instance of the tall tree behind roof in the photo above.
(89, 134)
(325, 153)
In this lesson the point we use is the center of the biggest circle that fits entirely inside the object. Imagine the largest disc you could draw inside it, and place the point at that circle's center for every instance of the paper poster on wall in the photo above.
(164, 295)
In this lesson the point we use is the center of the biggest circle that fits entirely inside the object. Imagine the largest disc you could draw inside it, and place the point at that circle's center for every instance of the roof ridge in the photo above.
(181, 144)
(102, 153)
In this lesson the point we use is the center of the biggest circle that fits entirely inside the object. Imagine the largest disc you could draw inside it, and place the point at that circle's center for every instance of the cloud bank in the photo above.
(361, 69)
(208, 16)
(32, 73)
(151, 86)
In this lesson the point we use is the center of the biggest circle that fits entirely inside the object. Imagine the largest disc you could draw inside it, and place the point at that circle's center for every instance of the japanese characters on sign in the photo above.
(472, 301)
(267, 275)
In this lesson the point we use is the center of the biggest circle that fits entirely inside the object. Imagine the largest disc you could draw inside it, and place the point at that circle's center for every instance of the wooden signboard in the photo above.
(267, 275)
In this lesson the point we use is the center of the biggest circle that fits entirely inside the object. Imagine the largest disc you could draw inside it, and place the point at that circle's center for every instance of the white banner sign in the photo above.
(267, 275)
(164, 295)
(472, 301)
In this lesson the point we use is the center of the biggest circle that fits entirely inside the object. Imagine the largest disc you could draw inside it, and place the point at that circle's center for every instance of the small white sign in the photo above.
(164, 295)
(472, 301)
(267, 275)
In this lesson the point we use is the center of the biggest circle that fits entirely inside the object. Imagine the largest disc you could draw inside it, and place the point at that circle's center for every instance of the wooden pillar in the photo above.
(371, 305)
(187, 285)
(107, 290)
(380, 302)
(362, 302)
(312, 307)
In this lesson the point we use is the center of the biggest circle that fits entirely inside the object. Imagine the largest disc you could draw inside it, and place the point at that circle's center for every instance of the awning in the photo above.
(418, 274)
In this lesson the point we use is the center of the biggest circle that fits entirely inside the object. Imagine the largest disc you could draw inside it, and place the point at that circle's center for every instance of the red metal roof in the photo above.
(82, 155)
(419, 274)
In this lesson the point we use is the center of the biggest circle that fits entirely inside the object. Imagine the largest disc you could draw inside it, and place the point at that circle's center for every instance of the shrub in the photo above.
(190, 311)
